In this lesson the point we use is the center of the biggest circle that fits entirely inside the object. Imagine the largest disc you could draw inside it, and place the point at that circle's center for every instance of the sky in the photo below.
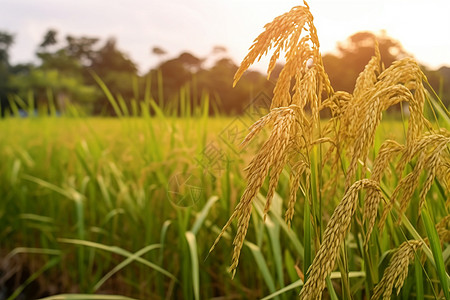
(197, 26)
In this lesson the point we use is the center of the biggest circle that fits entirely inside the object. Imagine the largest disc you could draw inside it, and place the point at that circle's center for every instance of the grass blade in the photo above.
(34, 276)
(108, 94)
(120, 251)
(435, 246)
(124, 263)
(264, 270)
(192, 243)
(419, 278)
(86, 297)
(203, 214)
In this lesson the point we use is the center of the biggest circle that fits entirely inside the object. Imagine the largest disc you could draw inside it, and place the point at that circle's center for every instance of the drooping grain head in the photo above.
(373, 94)
(430, 149)
(368, 77)
(294, 34)
(272, 156)
(397, 270)
(334, 235)
(291, 137)
(443, 229)
(294, 183)
(387, 151)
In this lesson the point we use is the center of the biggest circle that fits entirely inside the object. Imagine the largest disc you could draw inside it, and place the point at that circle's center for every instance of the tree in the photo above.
(81, 48)
(49, 39)
(219, 49)
(6, 40)
(440, 81)
(111, 59)
(218, 80)
(60, 78)
(176, 73)
(117, 71)
(158, 51)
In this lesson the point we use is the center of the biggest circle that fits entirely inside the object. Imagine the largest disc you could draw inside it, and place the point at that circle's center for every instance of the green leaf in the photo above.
(435, 246)
(120, 251)
(192, 242)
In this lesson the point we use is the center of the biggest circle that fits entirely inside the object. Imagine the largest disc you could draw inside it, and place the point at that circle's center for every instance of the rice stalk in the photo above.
(272, 156)
(292, 128)
(350, 134)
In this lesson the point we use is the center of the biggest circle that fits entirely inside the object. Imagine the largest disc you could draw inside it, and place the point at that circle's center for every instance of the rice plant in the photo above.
(351, 206)
(402, 184)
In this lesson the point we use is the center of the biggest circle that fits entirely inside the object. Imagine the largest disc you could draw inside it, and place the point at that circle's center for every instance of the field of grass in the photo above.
(87, 207)
(350, 207)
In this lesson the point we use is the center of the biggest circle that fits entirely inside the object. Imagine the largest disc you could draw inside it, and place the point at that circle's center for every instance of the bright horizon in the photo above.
(197, 26)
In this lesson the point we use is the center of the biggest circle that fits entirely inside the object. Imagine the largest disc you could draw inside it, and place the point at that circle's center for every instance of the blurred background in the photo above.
(51, 48)
(120, 136)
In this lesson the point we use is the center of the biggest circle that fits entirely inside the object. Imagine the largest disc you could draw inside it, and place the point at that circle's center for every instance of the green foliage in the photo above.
(73, 58)
(85, 205)
(6, 40)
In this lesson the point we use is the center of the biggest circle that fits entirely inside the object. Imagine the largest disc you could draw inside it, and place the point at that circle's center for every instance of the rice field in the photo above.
(86, 209)
(274, 204)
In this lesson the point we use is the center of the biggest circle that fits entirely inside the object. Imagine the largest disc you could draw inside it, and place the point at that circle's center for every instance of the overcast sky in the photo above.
(198, 25)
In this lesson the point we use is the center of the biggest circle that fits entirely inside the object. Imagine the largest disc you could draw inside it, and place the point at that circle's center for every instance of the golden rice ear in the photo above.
(334, 234)
(284, 128)
(427, 140)
(292, 130)
(272, 155)
(397, 270)
(443, 173)
(429, 148)
(443, 229)
(408, 73)
(402, 81)
(283, 33)
(287, 33)
(432, 164)
(256, 127)
(368, 77)
(387, 151)
(369, 112)
(294, 184)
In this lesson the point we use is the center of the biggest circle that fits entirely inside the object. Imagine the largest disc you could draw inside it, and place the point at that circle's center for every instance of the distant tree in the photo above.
(60, 76)
(6, 40)
(81, 48)
(219, 50)
(218, 80)
(217, 53)
(440, 81)
(49, 39)
(60, 60)
(116, 70)
(178, 71)
(190, 61)
(111, 59)
(158, 51)
(62, 88)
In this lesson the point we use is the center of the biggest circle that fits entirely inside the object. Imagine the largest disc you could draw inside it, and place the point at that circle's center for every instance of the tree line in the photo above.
(68, 70)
